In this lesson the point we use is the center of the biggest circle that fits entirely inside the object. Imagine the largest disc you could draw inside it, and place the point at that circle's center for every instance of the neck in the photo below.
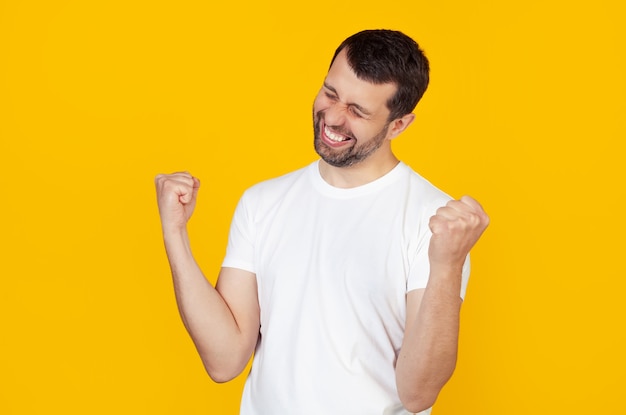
(359, 174)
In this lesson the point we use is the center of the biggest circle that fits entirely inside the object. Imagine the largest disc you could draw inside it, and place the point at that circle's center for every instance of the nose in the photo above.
(335, 115)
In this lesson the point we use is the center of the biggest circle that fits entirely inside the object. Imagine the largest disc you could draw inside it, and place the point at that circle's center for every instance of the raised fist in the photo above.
(176, 196)
(456, 227)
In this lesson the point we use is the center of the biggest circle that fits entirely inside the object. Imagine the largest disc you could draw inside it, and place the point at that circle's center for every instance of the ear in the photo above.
(399, 125)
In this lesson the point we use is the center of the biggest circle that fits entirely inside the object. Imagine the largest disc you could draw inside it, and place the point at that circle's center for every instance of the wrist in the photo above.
(447, 267)
(175, 236)
(173, 230)
(446, 271)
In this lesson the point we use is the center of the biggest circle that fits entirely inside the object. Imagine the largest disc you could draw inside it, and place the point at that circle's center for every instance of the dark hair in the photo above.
(388, 56)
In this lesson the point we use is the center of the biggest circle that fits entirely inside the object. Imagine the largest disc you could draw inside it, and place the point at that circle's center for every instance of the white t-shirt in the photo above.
(333, 268)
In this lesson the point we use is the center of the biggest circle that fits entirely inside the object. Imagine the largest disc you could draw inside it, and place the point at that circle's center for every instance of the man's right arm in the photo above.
(223, 321)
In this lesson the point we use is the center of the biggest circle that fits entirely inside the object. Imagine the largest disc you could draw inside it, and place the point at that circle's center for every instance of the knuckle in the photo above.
(486, 218)
(158, 178)
(169, 186)
(442, 210)
(474, 219)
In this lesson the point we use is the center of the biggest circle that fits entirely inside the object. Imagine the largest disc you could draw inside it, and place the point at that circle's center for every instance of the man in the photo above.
(345, 278)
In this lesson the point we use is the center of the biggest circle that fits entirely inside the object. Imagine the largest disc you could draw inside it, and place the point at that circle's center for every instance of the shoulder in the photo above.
(278, 184)
(422, 191)
(267, 193)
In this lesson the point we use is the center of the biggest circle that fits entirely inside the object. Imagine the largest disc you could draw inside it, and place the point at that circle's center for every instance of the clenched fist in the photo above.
(456, 227)
(176, 196)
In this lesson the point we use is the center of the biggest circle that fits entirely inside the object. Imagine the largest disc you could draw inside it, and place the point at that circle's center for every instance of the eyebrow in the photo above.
(354, 104)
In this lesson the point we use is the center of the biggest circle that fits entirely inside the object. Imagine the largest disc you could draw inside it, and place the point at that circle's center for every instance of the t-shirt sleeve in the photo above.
(420, 271)
(240, 248)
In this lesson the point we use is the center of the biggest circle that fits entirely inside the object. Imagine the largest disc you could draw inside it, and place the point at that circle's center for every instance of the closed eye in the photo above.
(330, 96)
(356, 112)
(355, 109)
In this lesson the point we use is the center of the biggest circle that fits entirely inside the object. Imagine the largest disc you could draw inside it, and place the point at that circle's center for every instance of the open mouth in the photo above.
(334, 137)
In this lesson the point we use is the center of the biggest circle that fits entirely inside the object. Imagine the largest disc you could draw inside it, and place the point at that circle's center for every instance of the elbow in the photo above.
(222, 373)
(221, 377)
(418, 404)
(420, 397)
(417, 393)
(224, 366)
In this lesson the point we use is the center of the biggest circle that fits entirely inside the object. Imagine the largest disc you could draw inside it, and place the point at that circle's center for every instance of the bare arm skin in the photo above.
(223, 321)
(428, 355)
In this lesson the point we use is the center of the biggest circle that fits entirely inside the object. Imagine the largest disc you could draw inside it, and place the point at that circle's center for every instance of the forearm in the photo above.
(205, 314)
(429, 351)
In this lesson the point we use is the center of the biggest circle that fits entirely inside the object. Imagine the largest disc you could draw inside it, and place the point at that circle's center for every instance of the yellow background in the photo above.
(525, 112)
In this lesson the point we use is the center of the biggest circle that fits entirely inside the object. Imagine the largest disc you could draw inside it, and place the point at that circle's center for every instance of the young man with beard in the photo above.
(345, 278)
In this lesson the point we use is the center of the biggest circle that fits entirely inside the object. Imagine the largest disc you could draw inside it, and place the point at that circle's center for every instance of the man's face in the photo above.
(349, 116)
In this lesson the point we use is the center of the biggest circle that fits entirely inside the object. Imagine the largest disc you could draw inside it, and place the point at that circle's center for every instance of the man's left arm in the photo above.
(428, 355)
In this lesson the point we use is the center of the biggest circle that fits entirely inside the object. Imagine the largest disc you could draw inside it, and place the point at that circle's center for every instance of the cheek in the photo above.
(364, 133)
(319, 104)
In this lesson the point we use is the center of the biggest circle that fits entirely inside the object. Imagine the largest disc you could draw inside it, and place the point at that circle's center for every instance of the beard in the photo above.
(349, 156)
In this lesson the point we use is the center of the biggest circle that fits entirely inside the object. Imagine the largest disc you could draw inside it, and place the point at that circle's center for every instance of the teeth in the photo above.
(334, 137)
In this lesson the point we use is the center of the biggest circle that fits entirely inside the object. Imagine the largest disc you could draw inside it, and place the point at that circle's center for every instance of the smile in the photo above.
(337, 138)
